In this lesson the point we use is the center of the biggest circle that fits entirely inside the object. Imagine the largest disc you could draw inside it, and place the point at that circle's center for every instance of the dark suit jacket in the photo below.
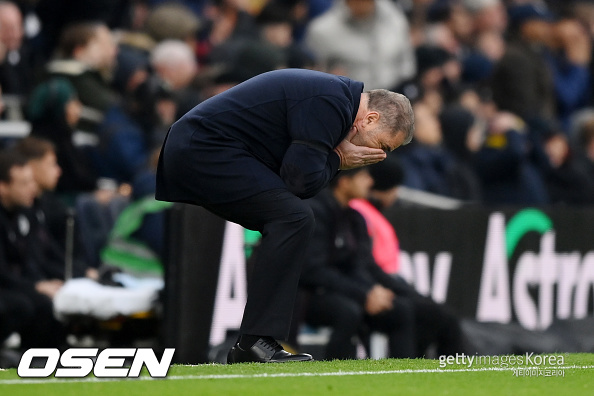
(274, 131)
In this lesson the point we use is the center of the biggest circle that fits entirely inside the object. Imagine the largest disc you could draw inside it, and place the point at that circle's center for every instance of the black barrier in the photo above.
(195, 239)
(528, 266)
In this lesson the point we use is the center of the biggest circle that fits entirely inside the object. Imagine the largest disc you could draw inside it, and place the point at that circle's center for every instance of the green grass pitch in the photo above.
(575, 376)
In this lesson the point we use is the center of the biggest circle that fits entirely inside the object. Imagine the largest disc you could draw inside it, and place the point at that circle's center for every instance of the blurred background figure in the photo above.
(54, 111)
(463, 137)
(508, 172)
(567, 183)
(18, 64)
(50, 216)
(86, 56)
(174, 62)
(173, 21)
(277, 25)
(33, 288)
(131, 130)
(369, 38)
(429, 165)
(543, 75)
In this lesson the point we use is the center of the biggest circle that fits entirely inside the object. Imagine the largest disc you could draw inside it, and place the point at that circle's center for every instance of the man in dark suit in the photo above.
(252, 153)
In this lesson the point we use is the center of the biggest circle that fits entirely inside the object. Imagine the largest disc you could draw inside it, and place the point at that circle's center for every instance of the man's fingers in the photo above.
(373, 158)
(370, 151)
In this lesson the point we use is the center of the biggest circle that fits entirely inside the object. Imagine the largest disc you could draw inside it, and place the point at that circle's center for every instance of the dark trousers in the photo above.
(348, 319)
(286, 223)
(16, 313)
(436, 323)
(35, 320)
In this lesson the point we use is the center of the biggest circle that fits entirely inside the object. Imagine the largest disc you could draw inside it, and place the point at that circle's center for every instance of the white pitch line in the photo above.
(284, 375)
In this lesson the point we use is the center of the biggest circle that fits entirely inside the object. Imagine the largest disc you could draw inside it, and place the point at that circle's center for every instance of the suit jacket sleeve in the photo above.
(316, 126)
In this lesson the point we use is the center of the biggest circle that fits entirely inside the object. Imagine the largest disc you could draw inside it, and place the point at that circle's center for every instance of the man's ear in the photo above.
(372, 117)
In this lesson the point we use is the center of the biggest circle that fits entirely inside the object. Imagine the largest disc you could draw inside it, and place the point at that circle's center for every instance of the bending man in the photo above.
(253, 152)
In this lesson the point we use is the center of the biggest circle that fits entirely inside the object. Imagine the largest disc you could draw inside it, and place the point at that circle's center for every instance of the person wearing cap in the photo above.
(253, 153)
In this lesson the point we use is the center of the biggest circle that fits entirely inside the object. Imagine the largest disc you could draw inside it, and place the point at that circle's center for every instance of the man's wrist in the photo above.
(340, 157)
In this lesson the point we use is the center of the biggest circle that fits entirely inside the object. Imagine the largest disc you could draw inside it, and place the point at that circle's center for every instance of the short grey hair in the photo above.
(171, 53)
(395, 110)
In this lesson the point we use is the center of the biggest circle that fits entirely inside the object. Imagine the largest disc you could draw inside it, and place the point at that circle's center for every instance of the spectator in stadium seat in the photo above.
(276, 23)
(131, 70)
(173, 21)
(56, 15)
(437, 78)
(429, 165)
(370, 38)
(463, 137)
(227, 24)
(544, 73)
(54, 111)
(174, 62)
(86, 57)
(17, 62)
(130, 131)
(348, 291)
(566, 181)
(507, 172)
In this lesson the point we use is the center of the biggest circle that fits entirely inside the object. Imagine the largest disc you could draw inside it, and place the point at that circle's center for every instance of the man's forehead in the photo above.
(19, 170)
(393, 140)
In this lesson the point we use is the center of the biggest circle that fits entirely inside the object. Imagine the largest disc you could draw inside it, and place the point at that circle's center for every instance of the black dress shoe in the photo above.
(265, 350)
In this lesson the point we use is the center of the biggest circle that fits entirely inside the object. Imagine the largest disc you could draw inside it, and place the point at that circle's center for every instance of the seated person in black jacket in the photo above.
(29, 287)
(49, 214)
(437, 325)
(348, 291)
(344, 281)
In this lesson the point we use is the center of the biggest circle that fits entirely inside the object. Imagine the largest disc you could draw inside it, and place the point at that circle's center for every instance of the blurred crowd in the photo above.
(501, 89)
